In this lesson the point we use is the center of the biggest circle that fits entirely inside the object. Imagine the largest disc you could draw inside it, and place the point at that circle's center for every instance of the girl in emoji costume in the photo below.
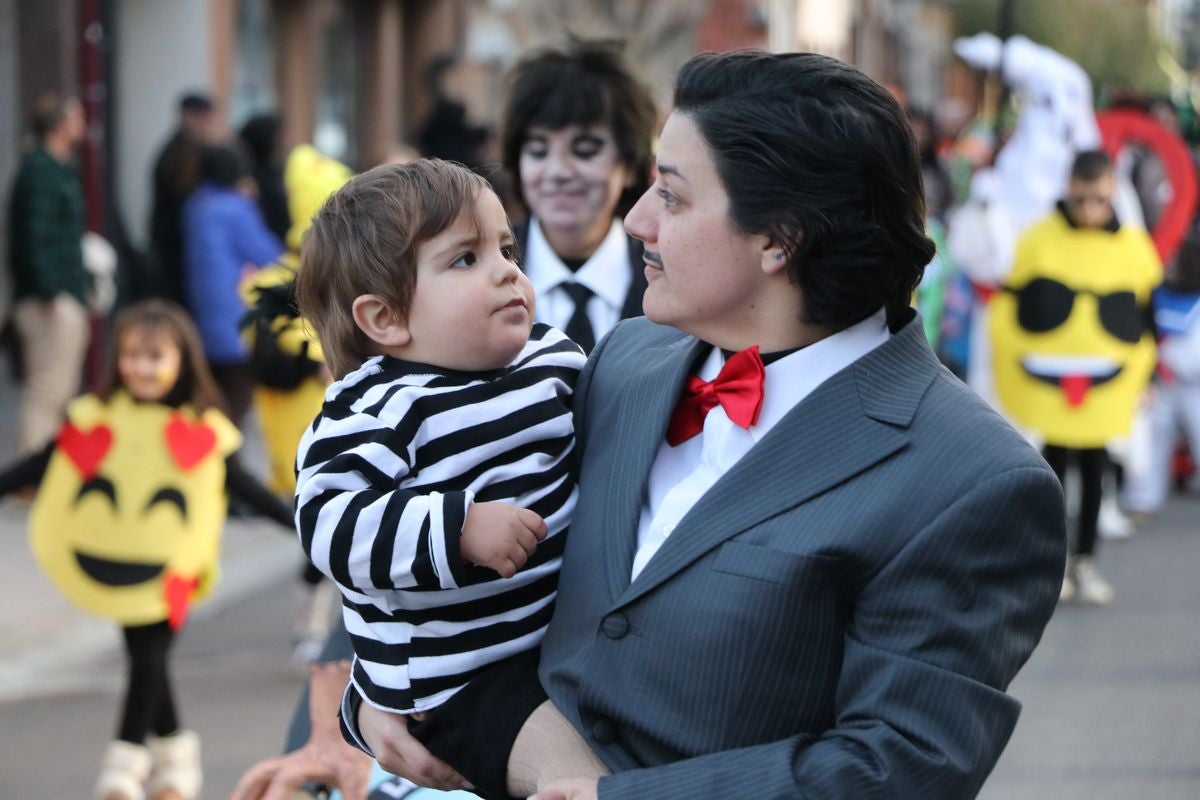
(1073, 347)
(289, 369)
(127, 525)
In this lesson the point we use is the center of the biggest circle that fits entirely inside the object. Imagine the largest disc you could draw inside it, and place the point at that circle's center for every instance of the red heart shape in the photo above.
(189, 442)
(86, 450)
(177, 592)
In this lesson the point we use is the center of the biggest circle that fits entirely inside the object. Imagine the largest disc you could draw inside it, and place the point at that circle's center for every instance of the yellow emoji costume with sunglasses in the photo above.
(1072, 346)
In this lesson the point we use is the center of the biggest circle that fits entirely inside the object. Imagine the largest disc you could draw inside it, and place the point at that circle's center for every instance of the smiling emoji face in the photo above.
(1072, 350)
(128, 519)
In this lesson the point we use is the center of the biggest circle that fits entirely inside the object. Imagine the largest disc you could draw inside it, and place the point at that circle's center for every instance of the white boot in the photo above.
(176, 774)
(1113, 523)
(123, 772)
(1067, 592)
(1090, 585)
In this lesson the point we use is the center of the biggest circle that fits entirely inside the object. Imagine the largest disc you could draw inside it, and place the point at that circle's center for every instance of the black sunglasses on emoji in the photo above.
(1044, 304)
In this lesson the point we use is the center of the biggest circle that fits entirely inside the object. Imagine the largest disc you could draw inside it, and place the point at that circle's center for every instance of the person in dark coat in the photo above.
(261, 136)
(176, 175)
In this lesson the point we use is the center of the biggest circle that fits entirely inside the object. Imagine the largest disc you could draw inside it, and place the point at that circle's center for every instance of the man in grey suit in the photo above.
(806, 561)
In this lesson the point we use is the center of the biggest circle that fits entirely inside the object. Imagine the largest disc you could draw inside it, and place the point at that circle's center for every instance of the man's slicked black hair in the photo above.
(821, 158)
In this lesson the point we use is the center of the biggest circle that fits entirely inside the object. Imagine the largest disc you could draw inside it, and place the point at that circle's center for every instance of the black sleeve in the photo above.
(26, 472)
(247, 488)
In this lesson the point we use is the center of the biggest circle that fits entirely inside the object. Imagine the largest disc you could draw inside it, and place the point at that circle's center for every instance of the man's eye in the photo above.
(465, 260)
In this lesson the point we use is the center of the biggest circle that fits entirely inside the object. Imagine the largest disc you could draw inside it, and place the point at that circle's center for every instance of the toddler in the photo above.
(435, 486)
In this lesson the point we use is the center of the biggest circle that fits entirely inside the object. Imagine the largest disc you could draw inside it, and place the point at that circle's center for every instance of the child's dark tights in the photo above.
(1092, 463)
(149, 705)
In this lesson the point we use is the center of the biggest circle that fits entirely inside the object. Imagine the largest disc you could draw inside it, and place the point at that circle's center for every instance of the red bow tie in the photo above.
(738, 388)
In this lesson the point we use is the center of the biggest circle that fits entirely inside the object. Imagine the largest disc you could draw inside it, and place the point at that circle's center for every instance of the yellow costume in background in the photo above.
(127, 521)
(1073, 349)
(285, 353)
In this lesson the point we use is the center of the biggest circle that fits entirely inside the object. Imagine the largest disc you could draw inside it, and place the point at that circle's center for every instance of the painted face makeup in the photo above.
(571, 179)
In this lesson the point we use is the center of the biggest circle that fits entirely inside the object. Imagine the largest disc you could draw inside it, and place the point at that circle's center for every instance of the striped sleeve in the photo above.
(359, 528)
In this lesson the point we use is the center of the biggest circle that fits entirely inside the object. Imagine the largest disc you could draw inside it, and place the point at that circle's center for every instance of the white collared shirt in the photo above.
(681, 475)
(606, 274)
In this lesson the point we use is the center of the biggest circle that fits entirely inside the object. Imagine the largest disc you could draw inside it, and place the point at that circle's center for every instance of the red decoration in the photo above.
(738, 388)
(189, 442)
(1120, 127)
(178, 591)
(85, 449)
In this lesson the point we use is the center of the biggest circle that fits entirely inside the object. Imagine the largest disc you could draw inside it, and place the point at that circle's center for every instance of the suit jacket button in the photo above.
(615, 626)
(604, 731)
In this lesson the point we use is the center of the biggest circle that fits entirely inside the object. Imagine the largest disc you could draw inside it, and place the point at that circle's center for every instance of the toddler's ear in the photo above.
(378, 321)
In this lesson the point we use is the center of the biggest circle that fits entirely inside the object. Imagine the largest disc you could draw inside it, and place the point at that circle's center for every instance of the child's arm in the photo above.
(245, 487)
(26, 472)
(357, 526)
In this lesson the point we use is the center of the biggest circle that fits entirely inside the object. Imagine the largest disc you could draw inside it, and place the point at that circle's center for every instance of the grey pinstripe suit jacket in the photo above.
(837, 617)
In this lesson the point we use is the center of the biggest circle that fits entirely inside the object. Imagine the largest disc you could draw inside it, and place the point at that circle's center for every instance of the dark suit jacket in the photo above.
(838, 617)
(637, 284)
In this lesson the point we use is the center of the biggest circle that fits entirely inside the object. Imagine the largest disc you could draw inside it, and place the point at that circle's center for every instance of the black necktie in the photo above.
(579, 327)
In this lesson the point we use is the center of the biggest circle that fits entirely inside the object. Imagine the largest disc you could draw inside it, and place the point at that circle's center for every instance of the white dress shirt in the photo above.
(681, 475)
(606, 274)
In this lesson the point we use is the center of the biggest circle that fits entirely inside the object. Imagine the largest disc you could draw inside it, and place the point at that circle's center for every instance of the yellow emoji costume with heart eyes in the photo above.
(127, 522)
(288, 367)
(1072, 349)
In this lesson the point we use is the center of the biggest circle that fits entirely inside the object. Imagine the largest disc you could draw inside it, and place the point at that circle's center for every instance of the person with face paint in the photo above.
(127, 525)
(1073, 343)
(806, 561)
(576, 136)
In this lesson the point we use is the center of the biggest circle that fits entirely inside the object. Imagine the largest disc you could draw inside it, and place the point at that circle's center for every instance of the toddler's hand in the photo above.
(500, 536)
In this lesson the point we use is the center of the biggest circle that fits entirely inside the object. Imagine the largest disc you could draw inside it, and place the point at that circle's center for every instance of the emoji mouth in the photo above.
(1075, 375)
(116, 573)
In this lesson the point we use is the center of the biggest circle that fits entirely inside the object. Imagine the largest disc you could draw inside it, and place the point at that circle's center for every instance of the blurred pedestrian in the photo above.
(225, 236)
(1072, 348)
(152, 438)
(448, 133)
(176, 175)
(262, 137)
(939, 191)
(290, 374)
(1175, 396)
(50, 281)
(577, 133)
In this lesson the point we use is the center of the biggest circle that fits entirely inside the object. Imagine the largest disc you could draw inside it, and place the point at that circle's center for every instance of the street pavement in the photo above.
(1111, 696)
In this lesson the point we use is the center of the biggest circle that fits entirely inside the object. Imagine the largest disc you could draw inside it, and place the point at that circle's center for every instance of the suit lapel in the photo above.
(854, 420)
(644, 409)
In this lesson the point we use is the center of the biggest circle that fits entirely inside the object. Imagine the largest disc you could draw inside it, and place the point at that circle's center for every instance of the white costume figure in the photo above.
(1030, 173)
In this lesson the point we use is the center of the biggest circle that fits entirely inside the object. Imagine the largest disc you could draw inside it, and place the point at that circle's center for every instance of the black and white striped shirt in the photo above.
(386, 474)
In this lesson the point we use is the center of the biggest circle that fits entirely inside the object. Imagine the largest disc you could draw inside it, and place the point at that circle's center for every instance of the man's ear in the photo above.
(774, 258)
(378, 321)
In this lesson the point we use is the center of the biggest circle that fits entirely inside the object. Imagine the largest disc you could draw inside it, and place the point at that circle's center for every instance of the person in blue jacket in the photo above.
(224, 236)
